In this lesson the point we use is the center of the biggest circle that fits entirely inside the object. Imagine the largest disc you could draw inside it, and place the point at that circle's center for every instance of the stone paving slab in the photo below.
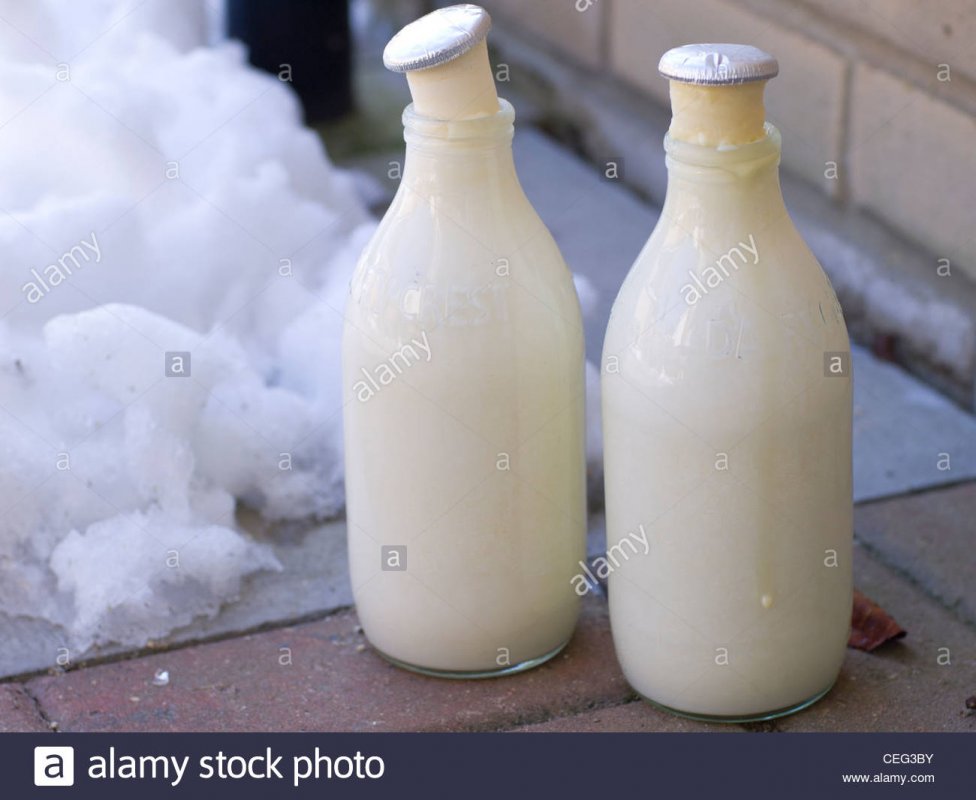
(333, 682)
(599, 225)
(931, 537)
(903, 431)
(315, 580)
(18, 713)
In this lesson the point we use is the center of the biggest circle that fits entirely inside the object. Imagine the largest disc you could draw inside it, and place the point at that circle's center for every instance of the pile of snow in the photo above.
(177, 249)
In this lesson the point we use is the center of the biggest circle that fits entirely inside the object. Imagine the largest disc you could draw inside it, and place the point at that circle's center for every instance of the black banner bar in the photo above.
(489, 765)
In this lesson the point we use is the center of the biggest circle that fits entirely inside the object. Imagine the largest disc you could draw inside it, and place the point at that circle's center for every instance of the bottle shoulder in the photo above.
(691, 291)
(442, 237)
(423, 266)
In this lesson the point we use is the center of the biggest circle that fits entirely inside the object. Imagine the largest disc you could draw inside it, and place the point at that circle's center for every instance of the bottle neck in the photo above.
(460, 156)
(717, 116)
(461, 89)
(738, 185)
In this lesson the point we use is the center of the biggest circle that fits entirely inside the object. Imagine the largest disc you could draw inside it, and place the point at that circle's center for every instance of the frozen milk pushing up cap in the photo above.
(718, 64)
(717, 92)
(445, 58)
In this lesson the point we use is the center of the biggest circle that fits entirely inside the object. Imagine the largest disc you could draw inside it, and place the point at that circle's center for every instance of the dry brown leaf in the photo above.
(871, 625)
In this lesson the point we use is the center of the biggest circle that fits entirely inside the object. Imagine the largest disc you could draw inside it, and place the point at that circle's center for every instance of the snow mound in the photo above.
(177, 250)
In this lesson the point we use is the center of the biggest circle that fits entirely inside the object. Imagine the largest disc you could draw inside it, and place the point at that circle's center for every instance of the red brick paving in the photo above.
(18, 713)
(635, 717)
(334, 683)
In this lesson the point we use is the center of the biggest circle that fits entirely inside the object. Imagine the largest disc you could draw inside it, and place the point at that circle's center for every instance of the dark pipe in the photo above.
(306, 40)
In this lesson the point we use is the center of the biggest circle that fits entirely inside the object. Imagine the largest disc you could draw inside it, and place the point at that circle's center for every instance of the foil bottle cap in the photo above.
(437, 38)
(717, 64)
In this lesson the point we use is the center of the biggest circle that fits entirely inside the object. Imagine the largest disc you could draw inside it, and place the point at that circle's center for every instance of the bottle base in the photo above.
(462, 675)
(734, 718)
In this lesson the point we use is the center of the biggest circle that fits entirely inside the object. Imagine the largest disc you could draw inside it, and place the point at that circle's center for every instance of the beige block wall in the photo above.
(805, 102)
(857, 86)
(574, 27)
(913, 161)
(934, 31)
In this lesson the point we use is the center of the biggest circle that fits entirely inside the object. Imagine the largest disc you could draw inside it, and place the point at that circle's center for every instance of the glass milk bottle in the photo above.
(463, 373)
(727, 423)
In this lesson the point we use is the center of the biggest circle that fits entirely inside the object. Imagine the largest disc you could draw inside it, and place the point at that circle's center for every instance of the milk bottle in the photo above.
(727, 423)
(463, 373)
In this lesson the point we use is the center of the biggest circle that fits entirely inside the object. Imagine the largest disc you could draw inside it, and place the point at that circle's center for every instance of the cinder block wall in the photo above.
(876, 99)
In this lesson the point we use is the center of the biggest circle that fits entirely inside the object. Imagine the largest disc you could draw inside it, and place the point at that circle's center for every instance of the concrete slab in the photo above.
(928, 537)
(314, 581)
(600, 226)
(907, 436)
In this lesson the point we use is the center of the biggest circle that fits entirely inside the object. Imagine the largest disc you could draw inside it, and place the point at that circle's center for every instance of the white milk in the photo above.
(463, 372)
(723, 435)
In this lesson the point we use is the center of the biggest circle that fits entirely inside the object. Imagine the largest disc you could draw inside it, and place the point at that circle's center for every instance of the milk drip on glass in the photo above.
(727, 422)
(464, 386)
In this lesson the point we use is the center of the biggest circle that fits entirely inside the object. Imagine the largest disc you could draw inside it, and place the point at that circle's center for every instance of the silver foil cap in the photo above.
(437, 38)
(717, 64)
